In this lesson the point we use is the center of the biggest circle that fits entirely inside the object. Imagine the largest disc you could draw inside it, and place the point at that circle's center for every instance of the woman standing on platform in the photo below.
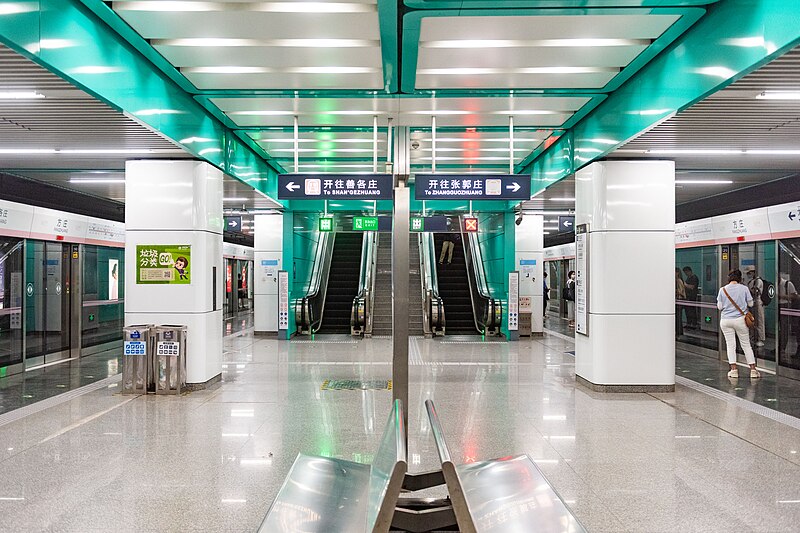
(569, 296)
(732, 300)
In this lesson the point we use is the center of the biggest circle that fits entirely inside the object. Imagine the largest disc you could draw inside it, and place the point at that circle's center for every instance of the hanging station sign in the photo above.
(472, 187)
(335, 187)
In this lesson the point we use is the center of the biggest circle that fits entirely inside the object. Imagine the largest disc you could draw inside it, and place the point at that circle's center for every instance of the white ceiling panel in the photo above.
(525, 28)
(254, 25)
(518, 58)
(512, 78)
(272, 57)
(281, 80)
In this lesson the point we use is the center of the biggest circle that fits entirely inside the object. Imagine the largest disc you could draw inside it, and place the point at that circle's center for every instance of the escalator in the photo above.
(342, 285)
(454, 289)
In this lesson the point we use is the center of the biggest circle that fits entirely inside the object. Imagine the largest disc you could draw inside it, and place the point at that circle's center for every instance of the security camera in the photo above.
(518, 221)
(414, 145)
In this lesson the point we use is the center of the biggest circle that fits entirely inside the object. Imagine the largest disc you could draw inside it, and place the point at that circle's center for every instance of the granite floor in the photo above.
(214, 460)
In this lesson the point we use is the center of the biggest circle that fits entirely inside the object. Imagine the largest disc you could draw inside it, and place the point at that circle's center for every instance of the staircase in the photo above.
(454, 290)
(382, 307)
(414, 288)
(342, 283)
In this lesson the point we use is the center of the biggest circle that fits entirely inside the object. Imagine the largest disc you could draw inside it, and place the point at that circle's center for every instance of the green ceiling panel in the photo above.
(713, 54)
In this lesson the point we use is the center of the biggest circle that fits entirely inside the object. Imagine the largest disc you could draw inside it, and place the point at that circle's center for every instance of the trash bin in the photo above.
(169, 362)
(136, 374)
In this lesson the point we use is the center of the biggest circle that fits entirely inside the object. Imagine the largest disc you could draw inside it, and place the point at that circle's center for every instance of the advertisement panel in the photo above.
(166, 264)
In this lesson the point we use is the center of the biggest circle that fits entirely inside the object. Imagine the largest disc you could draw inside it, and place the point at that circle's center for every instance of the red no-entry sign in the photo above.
(471, 224)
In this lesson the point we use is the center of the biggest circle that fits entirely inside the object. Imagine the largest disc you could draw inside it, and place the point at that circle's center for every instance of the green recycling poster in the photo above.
(164, 264)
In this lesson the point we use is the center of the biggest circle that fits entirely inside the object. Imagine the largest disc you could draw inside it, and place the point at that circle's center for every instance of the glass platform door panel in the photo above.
(47, 274)
(11, 291)
(787, 290)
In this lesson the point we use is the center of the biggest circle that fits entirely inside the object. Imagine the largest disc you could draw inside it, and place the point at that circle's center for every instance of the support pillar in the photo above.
(177, 204)
(268, 261)
(628, 208)
(528, 260)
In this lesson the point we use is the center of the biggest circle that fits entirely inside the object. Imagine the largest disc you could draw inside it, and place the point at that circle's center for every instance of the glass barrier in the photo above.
(103, 305)
(10, 301)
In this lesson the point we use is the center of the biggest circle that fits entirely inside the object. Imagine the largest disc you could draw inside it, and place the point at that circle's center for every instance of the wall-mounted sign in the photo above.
(472, 187)
(582, 279)
(283, 300)
(335, 186)
(168, 264)
(470, 224)
(417, 224)
(365, 223)
(513, 301)
(566, 224)
(233, 224)
(113, 279)
(326, 224)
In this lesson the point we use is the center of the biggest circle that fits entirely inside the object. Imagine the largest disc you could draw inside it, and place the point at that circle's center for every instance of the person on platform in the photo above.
(569, 296)
(680, 294)
(756, 286)
(546, 294)
(733, 300)
(692, 285)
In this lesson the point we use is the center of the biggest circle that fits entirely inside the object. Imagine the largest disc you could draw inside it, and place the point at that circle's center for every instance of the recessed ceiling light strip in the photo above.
(433, 144)
(534, 43)
(511, 144)
(375, 143)
(296, 145)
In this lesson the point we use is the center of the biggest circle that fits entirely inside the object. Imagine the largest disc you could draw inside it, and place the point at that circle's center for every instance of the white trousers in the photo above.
(732, 328)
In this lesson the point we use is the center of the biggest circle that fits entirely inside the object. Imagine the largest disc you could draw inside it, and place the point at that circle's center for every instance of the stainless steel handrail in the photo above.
(361, 311)
(487, 310)
(313, 302)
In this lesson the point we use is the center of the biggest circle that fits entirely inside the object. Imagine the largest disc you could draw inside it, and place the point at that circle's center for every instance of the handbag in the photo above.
(749, 319)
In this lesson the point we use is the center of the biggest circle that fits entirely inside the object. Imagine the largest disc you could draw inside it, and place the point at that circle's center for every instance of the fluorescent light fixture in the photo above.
(264, 112)
(651, 112)
(768, 95)
(696, 152)
(151, 112)
(264, 7)
(221, 42)
(550, 228)
(561, 199)
(243, 413)
(609, 142)
(190, 140)
(717, 72)
(9, 498)
(98, 181)
(53, 151)
(237, 435)
(15, 8)
(519, 43)
(331, 70)
(703, 182)
(545, 233)
(772, 152)
(55, 44)
(20, 95)
(478, 71)
(206, 151)
(235, 200)
(95, 69)
(545, 212)
(234, 69)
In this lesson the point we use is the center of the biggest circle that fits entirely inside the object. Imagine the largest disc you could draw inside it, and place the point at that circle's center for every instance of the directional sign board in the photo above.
(365, 223)
(472, 187)
(326, 224)
(335, 187)
(233, 224)
(566, 224)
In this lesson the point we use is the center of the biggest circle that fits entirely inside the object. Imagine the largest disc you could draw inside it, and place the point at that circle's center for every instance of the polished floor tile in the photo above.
(214, 460)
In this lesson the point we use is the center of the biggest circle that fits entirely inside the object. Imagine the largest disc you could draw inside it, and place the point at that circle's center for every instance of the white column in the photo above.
(178, 203)
(528, 260)
(629, 207)
(268, 261)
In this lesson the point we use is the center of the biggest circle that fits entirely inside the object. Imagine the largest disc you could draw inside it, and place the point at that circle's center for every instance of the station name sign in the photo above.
(335, 187)
(472, 187)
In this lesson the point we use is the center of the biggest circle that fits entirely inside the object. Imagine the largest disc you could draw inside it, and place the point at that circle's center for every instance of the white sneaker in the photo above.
(760, 344)
(733, 373)
(754, 374)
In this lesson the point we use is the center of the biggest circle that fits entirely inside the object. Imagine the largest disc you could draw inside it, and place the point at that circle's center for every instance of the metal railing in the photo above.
(487, 310)
(361, 316)
(433, 322)
(308, 309)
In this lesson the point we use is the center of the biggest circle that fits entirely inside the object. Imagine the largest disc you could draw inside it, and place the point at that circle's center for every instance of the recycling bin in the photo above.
(169, 361)
(136, 373)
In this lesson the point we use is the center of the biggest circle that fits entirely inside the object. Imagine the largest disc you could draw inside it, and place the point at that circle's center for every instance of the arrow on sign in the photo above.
(292, 186)
(567, 223)
(233, 223)
(514, 188)
(791, 215)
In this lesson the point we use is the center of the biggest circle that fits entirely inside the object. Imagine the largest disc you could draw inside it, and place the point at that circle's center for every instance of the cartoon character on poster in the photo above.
(182, 266)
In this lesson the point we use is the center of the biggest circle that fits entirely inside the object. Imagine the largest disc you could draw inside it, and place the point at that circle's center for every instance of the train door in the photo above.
(48, 275)
(760, 258)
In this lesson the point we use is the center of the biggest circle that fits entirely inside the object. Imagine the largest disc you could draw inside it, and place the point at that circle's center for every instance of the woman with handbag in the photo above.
(734, 322)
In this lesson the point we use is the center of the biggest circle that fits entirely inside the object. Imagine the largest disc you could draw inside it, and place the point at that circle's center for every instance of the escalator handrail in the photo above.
(320, 277)
(485, 314)
(429, 282)
(366, 280)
